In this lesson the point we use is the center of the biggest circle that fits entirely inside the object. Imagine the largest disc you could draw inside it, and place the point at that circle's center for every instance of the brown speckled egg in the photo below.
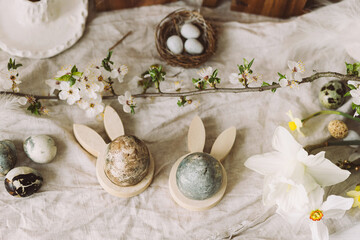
(127, 161)
(338, 129)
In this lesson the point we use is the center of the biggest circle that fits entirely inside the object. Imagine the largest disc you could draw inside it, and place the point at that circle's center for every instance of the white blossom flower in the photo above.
(69, 93)
(355, 94)
(205, 73)
(92, 107)
(127, 101)
(23, 101)
(284, 82)
(119, 72)
(317, 210)
(10, 80)
(89, 89)
(356, 84)
(295, 123)
(53, 84)
(290, 166)
(234, 78)
(297, 69)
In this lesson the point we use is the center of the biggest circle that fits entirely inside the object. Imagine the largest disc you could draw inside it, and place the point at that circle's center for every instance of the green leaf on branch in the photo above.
(12, 64)
(352, 87)
(182, 101)
(265, 84)
(353, 69)
(35, 107)
(105, 63)
(347, 94)
(199, 83)
(64, 78)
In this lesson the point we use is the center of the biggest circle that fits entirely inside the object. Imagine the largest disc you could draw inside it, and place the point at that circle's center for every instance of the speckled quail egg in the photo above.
(338, 129)
(193, 47)
(127, 161)
(175, 44)
(189, 30)
(40, 148)
(7, 156)
(23, 181)
(332, 94)
(199, 176)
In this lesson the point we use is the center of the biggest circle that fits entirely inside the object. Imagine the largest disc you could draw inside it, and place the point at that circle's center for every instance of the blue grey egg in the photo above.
(332, 94)
(40, 148)
(199, 176)
(7, 156)
(23, 181)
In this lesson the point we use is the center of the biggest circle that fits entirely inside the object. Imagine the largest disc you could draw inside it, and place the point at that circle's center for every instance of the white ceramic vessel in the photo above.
(41, 29)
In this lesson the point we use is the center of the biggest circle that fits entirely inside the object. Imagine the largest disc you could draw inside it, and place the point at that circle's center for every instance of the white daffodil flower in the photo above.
(290, 165)
(69, 93)
(317, 210)
(295, 123)
(297, 69)
(119, 72)
(127, 101)
(205, 73)
(92, 107)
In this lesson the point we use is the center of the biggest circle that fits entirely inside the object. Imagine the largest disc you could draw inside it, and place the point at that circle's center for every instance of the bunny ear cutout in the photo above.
(196, 135)
(113, 124)
(89, 139)
(223, 144)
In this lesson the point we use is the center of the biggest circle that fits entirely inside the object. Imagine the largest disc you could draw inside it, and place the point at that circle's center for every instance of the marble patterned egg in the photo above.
(189, 30)
(40, 148)
(199, 176)
(7, 156)
(193, 47)
(23, 181)
(127, 161)
(332, 94)
(175, 44)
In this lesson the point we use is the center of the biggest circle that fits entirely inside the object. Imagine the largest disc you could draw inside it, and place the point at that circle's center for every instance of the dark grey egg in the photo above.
(23, 181)
(7, 156)
(127, 161)
(199, 176)
(332, 94)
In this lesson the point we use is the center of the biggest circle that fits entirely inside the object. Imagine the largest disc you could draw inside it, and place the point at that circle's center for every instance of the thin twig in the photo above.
(312, 78)
(122, 39)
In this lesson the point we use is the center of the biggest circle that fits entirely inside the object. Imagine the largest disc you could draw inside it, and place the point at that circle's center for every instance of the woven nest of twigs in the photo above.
(171, 25)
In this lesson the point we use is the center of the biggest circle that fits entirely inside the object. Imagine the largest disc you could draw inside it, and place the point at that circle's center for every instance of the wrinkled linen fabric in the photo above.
(72, 205)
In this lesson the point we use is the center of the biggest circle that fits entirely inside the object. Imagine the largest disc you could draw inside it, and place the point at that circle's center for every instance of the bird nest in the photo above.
(171, 25)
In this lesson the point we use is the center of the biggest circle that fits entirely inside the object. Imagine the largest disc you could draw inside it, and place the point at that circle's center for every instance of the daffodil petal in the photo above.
(284, 142)
(267, 163)
(323, 170)
(335, 206)
(319, 230)
(316, 198)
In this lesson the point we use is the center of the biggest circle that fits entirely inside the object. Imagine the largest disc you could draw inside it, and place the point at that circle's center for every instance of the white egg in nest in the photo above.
(193, 47)
(175, 44)
(40, 148)
(189, 30)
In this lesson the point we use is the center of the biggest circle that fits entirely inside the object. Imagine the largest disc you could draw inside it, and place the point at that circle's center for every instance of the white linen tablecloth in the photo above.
(72, 205)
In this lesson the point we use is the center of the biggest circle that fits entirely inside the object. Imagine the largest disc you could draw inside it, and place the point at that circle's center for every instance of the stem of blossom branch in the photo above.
(330, 112)
(342, 77)
(122, 39)
(311, 148)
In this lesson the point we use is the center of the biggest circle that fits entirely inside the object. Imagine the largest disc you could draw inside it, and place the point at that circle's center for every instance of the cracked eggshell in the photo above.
(193, 47)
(189, 30)
(40, 148)
(175, 44)
(23, 181)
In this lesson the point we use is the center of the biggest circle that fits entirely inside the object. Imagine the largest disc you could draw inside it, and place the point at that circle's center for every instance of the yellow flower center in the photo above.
(92, 105)
(12, 77)
(292, 126)
(316, 215)
(100, 78)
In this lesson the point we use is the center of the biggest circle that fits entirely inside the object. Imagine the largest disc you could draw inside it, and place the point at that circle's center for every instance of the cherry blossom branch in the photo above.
(341, 77)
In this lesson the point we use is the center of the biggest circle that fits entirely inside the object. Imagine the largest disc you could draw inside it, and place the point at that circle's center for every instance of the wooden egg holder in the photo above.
(219, 150)
(92, 142)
